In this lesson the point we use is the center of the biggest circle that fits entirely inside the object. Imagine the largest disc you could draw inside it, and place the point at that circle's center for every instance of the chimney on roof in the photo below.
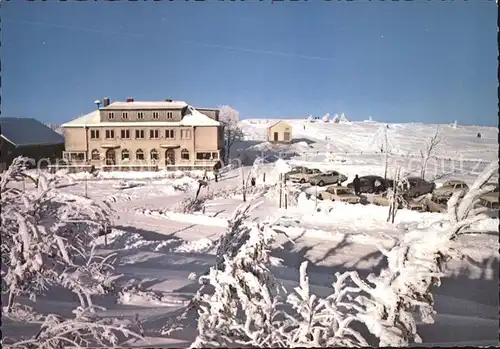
(97, 103)
(168, 100)
(130, 100)
(105, 102)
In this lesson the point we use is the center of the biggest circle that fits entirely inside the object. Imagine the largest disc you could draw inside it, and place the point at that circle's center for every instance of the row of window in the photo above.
(139, 134)
(154, 155)
(140, 115)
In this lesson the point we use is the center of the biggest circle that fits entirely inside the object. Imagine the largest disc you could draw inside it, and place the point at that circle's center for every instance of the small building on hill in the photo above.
(280, 132)
(30, 138)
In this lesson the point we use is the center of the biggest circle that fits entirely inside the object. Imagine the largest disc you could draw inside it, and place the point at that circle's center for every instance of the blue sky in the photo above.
(395, 61)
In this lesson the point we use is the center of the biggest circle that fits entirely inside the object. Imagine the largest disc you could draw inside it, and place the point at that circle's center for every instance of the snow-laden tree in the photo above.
(326, 117)
(43, 232)
(427, 153)
(340, 119)
(48, 239)
(230, 119)
(310, 118)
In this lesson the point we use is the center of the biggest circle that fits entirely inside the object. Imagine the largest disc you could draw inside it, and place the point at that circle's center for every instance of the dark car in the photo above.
(371, 184)
(417, 187)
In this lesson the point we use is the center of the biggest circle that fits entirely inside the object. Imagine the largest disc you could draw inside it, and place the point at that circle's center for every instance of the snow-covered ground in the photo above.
(161, 251)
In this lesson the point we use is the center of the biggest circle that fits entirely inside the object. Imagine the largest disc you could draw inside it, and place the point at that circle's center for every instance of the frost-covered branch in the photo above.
(43, 231)
(82, 331)
(426, 153)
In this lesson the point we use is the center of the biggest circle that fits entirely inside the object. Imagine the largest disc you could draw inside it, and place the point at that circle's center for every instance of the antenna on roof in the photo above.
(97, 103)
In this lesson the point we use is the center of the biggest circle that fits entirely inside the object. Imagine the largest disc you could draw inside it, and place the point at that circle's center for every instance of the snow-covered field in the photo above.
(161, 251)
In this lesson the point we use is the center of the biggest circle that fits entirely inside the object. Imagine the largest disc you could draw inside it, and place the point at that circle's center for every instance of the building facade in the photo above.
(153, 135)
(280, 132)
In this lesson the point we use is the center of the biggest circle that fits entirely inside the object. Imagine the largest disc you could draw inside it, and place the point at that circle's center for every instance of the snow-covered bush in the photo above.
(93, 277)
(82, 331)
(48, 239)
(340, 119)
(242, 306)
(42, 231)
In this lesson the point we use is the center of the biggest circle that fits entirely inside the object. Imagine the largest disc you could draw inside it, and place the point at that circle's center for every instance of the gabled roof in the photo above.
(89, 119)
(27, 131)
(194, 118)
(279, 122)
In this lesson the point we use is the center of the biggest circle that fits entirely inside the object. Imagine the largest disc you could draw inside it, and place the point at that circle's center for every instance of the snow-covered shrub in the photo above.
(82, 331)
(47, 239)
(242, 307)
(93, 277)
(43, 232)
(194, 204)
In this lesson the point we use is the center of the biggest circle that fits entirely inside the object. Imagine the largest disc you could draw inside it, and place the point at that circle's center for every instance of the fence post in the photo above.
(86, 193)
(281, 189)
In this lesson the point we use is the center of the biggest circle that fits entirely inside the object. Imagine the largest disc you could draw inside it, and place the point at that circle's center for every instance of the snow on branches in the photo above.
(43, 232)
(427, 153)
(230, 118)
(48, 239)
(243, 304)
(248, 305)
(82, 331)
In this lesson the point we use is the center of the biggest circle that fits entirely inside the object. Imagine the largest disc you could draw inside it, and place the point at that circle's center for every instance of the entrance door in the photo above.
(110, 157)
(275, 136)
(170, 157)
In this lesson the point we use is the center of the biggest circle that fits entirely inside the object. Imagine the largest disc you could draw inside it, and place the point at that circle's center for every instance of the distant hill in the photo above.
(55, 127)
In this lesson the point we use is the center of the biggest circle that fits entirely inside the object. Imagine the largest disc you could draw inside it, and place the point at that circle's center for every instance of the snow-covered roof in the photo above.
(146, 105)
(193, 118)
(85, 120)
(279, 122)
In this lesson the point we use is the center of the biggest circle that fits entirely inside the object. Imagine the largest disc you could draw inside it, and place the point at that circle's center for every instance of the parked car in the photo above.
(490, 201)
(382, 200)
(494, 185)
(371, 184)
(295, 170)
(416, 187)
(303, 177)
(338, 193)
(328, 177)
(444, 193)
